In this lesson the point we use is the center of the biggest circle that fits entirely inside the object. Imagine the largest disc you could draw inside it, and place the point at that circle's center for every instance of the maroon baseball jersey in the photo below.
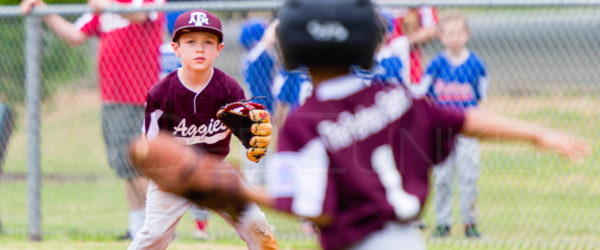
(192, 116)
(360, 155)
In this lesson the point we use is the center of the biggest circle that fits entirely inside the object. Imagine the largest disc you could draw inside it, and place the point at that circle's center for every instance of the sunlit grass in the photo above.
(528, 199)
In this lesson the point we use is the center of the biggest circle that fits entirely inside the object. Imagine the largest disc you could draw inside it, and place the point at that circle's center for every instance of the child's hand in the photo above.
(27, 5)
(573, 148)
(270, 34)
(99, 5)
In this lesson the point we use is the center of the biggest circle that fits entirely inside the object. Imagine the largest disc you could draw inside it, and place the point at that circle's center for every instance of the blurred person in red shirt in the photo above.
(128, 65)
(417, 26)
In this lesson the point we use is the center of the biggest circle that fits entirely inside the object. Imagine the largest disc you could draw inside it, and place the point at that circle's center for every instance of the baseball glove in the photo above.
(200, 177)
(251, 124)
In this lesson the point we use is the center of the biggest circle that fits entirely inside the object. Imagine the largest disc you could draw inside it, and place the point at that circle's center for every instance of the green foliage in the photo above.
(59, 64)
(11, 61)
(528, 200)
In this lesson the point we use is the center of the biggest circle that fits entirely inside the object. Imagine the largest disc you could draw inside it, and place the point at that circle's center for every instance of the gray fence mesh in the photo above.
(542, 63)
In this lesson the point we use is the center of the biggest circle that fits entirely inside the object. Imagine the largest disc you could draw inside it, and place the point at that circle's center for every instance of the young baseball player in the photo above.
(169, 62)
(456, 78)
(185, 103)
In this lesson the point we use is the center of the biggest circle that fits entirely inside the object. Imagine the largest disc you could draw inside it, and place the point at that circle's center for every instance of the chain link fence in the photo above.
(542, 62)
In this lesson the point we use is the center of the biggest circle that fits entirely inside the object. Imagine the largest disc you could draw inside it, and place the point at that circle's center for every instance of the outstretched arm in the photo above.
(484, 125)
(422, 35)
(204, 179)
(134, 17)
(63, 28)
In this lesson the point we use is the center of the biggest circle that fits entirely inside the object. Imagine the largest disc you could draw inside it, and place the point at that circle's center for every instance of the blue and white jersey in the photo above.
(460, 86)
(292, 87)
(169, 62)
(390, 64)
(258, 69)
(387, 71)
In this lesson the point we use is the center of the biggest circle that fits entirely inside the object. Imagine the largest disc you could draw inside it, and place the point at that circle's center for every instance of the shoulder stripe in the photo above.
(153, 127)
(428, 16)
(83, 20)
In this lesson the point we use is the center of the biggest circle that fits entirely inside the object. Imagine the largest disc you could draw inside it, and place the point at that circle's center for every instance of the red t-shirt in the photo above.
(428, 17)
(128, 53)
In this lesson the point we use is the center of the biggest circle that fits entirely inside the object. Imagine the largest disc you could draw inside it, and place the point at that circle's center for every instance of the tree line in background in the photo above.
(60, 64)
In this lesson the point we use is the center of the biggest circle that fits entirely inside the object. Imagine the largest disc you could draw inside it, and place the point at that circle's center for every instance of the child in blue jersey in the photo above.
(258, 68)
(281, 91)
(392, 58)
(258, 65)
(456, 78)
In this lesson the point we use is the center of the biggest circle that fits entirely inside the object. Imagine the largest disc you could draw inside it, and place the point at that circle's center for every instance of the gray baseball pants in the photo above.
(464, 160)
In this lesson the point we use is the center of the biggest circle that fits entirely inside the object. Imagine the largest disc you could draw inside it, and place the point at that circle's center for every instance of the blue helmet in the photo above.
(252, 31)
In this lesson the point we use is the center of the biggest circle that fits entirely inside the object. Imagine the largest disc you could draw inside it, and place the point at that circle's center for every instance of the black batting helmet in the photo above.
(336, 33)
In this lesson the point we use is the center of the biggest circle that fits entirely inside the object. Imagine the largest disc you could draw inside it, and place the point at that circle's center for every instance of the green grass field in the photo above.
(527, 199)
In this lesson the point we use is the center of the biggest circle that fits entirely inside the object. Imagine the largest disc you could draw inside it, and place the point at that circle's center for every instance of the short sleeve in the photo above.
(426, 81)
(89, 24)
(298, 175)
(392, 70)
(236, 93)
(428, 16)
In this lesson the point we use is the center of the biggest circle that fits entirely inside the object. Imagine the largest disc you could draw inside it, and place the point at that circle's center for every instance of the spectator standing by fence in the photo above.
(128, 65)
(415, 26)
(456, 78)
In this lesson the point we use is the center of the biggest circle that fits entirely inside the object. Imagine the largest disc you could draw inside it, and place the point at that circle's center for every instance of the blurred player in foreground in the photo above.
(456, 78)
(354, 159)
(128, 65)
(185, 103)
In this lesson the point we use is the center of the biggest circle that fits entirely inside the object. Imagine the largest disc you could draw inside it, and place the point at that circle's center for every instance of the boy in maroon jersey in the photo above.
(356, 159)
(185, 103)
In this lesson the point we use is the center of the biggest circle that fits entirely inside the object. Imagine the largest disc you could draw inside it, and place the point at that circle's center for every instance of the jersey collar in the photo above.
(339, 87)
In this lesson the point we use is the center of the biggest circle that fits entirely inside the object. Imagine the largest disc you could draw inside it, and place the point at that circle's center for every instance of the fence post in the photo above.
(32, 91)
